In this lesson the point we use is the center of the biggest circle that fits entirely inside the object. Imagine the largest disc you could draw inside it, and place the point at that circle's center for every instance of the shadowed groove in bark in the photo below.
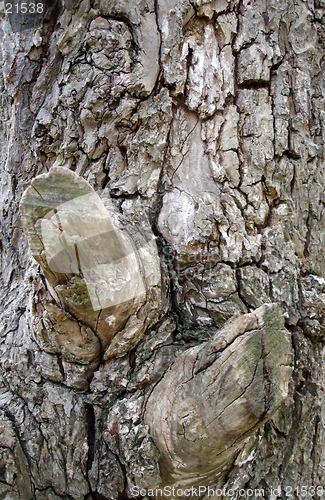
(91, 436)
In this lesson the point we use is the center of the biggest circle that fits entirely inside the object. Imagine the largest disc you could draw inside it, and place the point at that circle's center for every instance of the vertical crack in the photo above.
(189, 59)
(308, 234)
(156, 7)
(91, 437)
(60, 365)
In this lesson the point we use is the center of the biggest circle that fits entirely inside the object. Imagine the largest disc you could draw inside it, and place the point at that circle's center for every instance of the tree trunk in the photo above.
(162, 259)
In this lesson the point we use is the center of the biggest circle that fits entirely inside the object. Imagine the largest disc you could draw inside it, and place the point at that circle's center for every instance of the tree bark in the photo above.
(162, 258)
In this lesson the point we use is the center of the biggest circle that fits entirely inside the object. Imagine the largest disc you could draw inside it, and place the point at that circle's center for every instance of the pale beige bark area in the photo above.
(215, 395)
(200, 125)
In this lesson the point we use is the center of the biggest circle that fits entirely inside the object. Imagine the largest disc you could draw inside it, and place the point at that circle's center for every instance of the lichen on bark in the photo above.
(199, 125)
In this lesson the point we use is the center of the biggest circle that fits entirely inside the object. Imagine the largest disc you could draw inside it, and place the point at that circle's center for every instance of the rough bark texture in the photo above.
(197, 129)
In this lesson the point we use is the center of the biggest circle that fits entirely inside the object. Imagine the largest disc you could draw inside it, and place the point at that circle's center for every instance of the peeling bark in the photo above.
(197, 129)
